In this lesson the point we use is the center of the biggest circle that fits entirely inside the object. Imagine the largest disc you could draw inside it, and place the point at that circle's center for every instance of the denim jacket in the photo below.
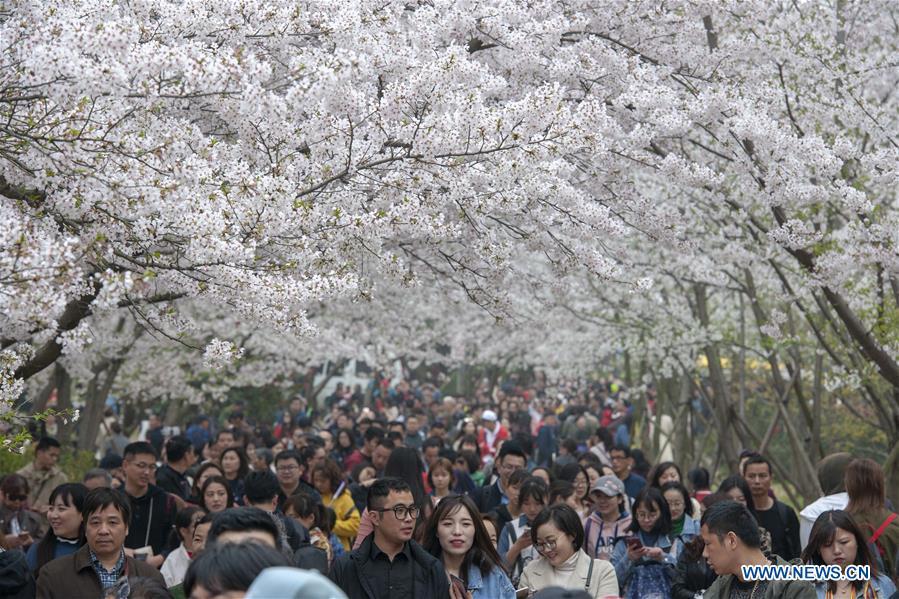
(495, 586)
(624, 567)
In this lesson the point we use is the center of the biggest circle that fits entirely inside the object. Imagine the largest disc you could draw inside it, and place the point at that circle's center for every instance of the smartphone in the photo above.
(459, 585)
(634, 543)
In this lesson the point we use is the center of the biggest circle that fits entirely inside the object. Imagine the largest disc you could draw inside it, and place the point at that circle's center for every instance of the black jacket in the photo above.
(16, 581)
(171, 481)
(308, 556)
(163, 509)
(691, 577)
(349, 572)
(491, 498)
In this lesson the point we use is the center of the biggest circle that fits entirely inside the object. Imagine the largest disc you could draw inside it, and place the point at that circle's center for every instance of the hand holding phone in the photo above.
(457, 588)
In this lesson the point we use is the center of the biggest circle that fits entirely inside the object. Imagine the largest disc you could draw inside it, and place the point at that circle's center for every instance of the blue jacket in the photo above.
(495, 586)
(882, 585)
(624, 567)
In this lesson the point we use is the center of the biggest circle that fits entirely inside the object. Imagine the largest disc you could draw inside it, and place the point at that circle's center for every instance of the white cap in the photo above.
(489, 416)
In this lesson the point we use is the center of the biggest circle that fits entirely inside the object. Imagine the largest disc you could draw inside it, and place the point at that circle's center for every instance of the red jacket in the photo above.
(487, 450)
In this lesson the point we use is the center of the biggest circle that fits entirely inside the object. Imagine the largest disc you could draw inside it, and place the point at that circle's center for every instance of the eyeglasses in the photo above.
(17, 497)
(288, 468)
(647, 515)
(144, 466)
(545, 546)
(401, 511)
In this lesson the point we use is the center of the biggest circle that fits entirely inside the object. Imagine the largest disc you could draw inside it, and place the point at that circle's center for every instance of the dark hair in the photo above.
(680, 488)
(244, 466)
(176, 448)
(405, 463)
(472, 461)
(823, 533)
(289, 454)
(623, 449)
(564, 518)
(533, 488)
(261, 486)
(442, 464)
(698, 478)
(392, 439)
(657, 471)
(570, 446)
(652, 498)
(102, 498)
(45, 443)
(373, 433)
(518, 477)
(11, 483)
(482, 553)
(569, 472)
(221, 480)
(303, 505)
(331, 471)
(738, 482)
(605, 435)
(730, 516)
(559, 491)
(225, 431)
(139, 448)
(242, 519)
(756, 459)
(512, 448)
(72, 494)
(865, 485)
(431, 442)
(693, 549)
(183, 519)
(381, 489)
(349, 434)
(203, 468)
(231, 566)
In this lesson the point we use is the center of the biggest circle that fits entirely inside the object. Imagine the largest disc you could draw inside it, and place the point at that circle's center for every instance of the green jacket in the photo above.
(777, 589)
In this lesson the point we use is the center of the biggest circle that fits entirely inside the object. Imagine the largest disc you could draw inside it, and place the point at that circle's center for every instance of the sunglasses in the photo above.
(17, 497)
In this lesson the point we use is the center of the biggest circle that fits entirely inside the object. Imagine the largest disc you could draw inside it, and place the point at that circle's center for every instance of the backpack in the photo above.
(877, 550)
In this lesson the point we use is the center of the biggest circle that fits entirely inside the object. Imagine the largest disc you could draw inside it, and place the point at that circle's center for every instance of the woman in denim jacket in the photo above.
(456, 535)
(645, 562)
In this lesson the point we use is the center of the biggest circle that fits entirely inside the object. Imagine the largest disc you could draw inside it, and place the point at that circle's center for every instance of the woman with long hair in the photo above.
(235, 467)
(66, 534)
(205, 471)
(344, 446)
(442, 479)
(311, 515)
(455, 534)
(683, 524)
(836, 539)
(329, 482)
(645, 562)
(215, 496)
(669, 472)
(866, 487)
(577, 476)
(558, 535)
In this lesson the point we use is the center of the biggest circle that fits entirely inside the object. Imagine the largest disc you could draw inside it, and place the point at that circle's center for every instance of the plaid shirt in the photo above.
(108, 578)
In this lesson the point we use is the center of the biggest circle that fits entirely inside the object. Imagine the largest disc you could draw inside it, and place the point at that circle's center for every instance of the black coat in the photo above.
(691, 577)
(349, 572)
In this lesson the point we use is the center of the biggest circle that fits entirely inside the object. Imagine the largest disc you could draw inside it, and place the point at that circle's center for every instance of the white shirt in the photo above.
(811, 512)
(175, 566)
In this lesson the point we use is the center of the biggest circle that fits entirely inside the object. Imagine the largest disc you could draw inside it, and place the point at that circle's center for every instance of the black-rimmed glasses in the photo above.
(401, 511)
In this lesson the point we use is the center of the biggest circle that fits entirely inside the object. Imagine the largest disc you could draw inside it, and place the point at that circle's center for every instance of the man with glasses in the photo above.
(152, 509)
(389, 564)
(622, 463)
(511, 458)
(289, 468)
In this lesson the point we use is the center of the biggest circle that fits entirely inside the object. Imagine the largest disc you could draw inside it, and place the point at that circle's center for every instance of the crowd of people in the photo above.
(406, 493)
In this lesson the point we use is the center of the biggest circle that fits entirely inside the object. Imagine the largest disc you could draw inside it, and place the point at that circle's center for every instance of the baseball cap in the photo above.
(610, 486)
(489, 416)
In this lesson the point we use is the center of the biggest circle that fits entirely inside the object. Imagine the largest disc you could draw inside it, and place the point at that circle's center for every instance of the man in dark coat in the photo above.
(388, 563)
(100, 564)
